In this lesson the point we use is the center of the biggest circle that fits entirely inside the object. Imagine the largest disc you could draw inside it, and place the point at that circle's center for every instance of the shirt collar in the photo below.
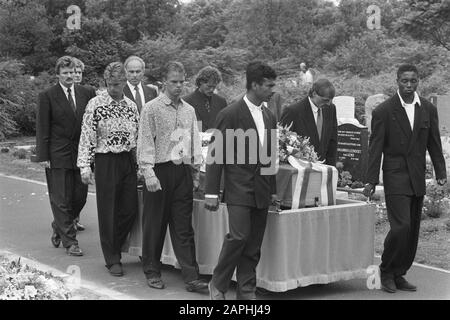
(416, 99)
(65, 88)
(252, 106)
(109, 100)
(166, 100)
(132, 87)
(314, 108)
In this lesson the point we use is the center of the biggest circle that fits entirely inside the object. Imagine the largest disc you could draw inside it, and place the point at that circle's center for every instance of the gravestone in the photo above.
(345, 109)
(443, 106)
(371, 103)
(352, 149)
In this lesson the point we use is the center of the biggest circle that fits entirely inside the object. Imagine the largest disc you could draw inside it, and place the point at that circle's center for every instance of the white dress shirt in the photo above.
(410, 107)
(72, 92)
(314, 109)
(256, 112)
(133, 91)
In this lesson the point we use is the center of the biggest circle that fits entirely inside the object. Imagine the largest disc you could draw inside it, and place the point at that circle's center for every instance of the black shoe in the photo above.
(74, 250)
(156, 283)
(116, 270)
(55, 239)
(79, 226)
(196, 285)
(388, 285)
(214, 293)
(404, 285)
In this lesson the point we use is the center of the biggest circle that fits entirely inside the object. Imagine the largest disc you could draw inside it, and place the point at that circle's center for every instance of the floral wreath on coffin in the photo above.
(292, 144)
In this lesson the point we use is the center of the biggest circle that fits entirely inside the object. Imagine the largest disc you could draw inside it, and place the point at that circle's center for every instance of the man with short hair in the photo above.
(135, 88)
(315, 117)
(169, 157)
(249, 188)
(404, 127)
(58, 127)
(108, 140)
(206, 103)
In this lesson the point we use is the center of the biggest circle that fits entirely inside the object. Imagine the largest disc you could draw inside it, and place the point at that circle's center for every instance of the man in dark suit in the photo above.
(58, 127)
(135, 89)
(249, 180)
(404, 127)
(315, 117)
(206, 103)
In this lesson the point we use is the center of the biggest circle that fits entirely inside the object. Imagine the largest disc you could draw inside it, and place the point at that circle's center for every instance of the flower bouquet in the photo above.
(291, 144)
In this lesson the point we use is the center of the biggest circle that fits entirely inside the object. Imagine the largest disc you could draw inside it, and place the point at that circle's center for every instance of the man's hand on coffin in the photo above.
(369, 190)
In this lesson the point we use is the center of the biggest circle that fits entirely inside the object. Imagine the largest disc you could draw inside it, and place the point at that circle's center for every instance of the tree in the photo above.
(25, 33)
(428, 20)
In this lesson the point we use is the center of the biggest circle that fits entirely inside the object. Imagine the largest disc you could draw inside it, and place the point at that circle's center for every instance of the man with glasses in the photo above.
(315, 117)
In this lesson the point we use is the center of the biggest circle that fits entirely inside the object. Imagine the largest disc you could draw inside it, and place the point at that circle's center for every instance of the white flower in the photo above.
(30, 292)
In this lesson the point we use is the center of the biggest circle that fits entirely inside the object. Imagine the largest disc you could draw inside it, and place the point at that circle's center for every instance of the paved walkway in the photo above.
(25, 230)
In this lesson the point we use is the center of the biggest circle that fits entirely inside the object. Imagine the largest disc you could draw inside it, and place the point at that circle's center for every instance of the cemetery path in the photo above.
(25, 230)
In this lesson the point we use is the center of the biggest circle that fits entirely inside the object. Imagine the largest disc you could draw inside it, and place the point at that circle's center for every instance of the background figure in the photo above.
(248, 192)
(275, 104)
(58, 127)
(77, 79)
(306, 75)
(315, 117)
(169, 150)
(404, 127)
(206, 103)
(108, 139)
(135, 89)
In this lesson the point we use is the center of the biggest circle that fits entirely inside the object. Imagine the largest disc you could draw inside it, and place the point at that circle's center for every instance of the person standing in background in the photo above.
(206, 103)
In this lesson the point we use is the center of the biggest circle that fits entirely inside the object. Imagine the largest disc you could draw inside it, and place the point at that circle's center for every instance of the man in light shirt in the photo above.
(404, 127)
(249, 188)
(169, 157)
(306, 76)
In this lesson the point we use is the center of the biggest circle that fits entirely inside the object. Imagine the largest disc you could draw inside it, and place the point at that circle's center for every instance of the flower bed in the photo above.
(21, 282)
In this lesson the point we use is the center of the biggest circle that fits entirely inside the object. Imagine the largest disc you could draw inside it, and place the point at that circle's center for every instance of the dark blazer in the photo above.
(302, 118)
(149, 94)
(58, 128)
(198, 101)
(244, 184)
(404, 149)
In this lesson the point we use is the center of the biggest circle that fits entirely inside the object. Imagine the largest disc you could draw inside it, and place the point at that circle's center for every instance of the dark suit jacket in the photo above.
(404, 150)
(303, 123)
(244, 184)
(149, 94)
(58, 128)
(198, 101)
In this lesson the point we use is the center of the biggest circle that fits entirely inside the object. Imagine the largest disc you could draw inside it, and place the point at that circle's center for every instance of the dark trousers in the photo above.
(115, 182)
(67, 198)
(241, 249)
(171, 206)
(400, 244)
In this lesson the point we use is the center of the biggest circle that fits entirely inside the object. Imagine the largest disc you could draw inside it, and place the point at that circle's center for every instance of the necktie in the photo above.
(71, 102)
(138, 99)
(319, 122)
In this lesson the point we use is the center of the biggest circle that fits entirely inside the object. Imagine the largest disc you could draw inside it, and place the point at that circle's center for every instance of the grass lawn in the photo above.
(434, 240)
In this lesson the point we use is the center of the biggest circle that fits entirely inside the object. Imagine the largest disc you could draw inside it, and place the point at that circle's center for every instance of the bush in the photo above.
(20, 153)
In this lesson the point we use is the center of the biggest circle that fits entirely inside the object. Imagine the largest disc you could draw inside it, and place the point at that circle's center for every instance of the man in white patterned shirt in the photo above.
(108, 139)
(169, 156)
